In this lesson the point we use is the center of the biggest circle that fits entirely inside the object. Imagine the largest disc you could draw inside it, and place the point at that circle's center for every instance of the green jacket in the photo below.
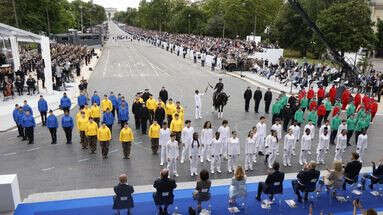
(351, 123)
(367, 120)
(304, 103)
(335, 123)
(298, 116)
(328, 105)
(276, 108)
(350, 110)
(359, 125)
(284, 100)
(313, 117)
(361, 114)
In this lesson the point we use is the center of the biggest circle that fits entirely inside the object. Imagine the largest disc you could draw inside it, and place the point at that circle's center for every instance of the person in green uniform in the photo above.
(313, 117)
(284, 99)
(358, 128)
(276, 110)
(298, 116)
(351, 123)
(328, 106)
(367, 120)
(335, 123)
(361, 114)
(350, 109)
(304, 103)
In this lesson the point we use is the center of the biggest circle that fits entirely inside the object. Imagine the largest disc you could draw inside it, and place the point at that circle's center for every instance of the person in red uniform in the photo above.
(357, 100)
(332, 94)
(321, 112)
(313, 105)
(335, 110)
(374, 109)
(321, 94)
(366, 101)
(345, 98)
(310, 94)
(301, 94)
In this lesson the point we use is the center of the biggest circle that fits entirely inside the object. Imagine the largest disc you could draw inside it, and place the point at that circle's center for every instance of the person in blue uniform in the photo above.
(82, 100)
(52, 125)
(67, 124)
(123, 114)
(95, 98)
(113, 99)
(26, 108)
(29, 124)
(65, 103)
(43, 108)
(17, 117)
(108, 119)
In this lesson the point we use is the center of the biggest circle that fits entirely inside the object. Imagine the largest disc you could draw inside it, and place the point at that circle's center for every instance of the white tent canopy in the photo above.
(16, 35)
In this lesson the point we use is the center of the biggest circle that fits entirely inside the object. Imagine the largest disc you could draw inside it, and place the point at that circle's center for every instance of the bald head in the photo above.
(123, 178)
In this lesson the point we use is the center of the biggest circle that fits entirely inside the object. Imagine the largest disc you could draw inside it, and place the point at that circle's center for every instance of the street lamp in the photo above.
(189, 23)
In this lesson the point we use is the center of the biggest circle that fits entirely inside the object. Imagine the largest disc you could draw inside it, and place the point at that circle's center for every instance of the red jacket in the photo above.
(332, 93)
(357, 100)
(310, 94)
(321, 110)
(335, 111)
(301, 94)
(366, 101)
(345, 96)
(374, 107)
(321, 93)
(313, 105)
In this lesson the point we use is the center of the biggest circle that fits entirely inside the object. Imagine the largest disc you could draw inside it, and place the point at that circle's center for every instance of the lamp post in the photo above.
(189, 23)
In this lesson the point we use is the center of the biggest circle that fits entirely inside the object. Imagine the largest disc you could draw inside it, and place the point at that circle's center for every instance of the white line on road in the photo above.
(85, 159)
(47, 169)
(137, 143)
(8, 154)
(113, 151)
(29, 150)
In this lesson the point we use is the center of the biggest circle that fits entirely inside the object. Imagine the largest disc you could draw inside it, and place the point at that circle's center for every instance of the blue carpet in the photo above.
(144, 204)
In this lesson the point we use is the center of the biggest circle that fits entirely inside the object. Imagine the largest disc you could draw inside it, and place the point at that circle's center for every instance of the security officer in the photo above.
(52, 125)
(247, 96)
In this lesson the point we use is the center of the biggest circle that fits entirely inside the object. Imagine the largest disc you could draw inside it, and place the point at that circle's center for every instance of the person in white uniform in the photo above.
(206, 138)
(198, 104)
(271, 146)
(321, 131)
(255, 148)
(249, 151)
(164, 139)
(224, 135)
(186, 138)
(324, 141)
(216, 153)
(312, 133)
(305, 146)
(194, 154)
(261, 135)
(296, 132)
(342, 126)
(288, 143)
(172, 153)
(361, 146)
(233, 151)
(278, 128)
(341, 143)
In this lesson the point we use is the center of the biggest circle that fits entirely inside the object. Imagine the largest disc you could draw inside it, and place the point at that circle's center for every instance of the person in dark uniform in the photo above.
(123, 198)
(145, 96)
(144, 116)
(219, 86)
(286, 115)
(159, 114)
(304, 179)
(352, 169)
(163, 95)
(257, 98)
(164, 192)
(268, 97)
(247, 96)
(272, 178)
(136, 110)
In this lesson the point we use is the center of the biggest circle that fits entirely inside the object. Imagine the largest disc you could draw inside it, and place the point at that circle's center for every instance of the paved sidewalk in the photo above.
(53, 99)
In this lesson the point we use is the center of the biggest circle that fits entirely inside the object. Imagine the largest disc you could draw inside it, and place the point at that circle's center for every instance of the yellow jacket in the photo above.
(91, 129)
(162, 104)
(151, 104)
(154, 131)
(82, 123)
(104, 134)
(106, 103)
(170, 109)
(126, 135)
(87, 112)
(180, 115)
(176, 125)
(95, 112)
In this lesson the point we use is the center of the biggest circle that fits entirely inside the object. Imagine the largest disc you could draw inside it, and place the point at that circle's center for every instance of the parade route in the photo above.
(128, 67)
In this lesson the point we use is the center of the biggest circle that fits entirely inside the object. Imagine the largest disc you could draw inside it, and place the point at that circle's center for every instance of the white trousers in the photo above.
(215, 163)
(198, 114)
(232, 162)
(172, 165)
(320, 155)
(205, 153)
(224, 149)
(185, 149)
(295, 143)
(361, 154)
(287, 155)
(272, 158)
(261, 144)
(193, 164)
(248, 161)
(338, 154)
(163, 154)
(303, 157)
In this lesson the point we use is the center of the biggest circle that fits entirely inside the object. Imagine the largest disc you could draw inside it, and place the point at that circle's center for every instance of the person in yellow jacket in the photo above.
(176, 127)
(170, 109)
(104, 136)
(178, 105)
(91, 135)
(154, 135)
(161, 103)
(95, 113)
(151, 104)
(82, 124)
(180, 113)
(106, 103)
(87, 110)
(126, 139)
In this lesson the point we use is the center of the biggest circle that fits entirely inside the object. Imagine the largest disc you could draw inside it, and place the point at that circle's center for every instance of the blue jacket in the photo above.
(28, 121)
(113, 99)
(95, 98)
(42, 105)
(108, 118)
(123, 114)
(14, 114)
(27, 108)
(19, 118)
(65, 102)
(119, 101)
(82, 100)
(52, 122)
(67, 121)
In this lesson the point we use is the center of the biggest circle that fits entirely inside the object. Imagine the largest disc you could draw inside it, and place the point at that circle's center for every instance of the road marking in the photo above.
(85, 159)
(8, 154)
(47, 169)
(29, 150)
(113, 151)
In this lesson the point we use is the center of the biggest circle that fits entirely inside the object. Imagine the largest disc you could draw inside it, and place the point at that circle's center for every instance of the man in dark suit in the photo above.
(375, 177)
(144, 116)
(352, 169)
(247, 96)
(136, 109)
(274, 177)
(123, 198)
(268, 97)
(286, 114)
(306, 178)
(145, 96)
(164, 192)
(163, 95)
(257, 98)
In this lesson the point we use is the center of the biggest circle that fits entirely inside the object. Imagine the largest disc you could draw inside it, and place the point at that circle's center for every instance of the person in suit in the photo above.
(164, 191)
(257, 99)
(163, 94)
(375, 177)
(273, 177)
(247, 96)
(144, 116)
(352, 169)
(123, 198)
(136, 110)
(304, 178)
(268, 97)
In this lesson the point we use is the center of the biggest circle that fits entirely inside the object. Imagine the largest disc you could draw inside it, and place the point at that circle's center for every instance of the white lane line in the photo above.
(47, 169)
(137, 143)
(8, 154)
(85, 159)
(29, 150)
(113, 151)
